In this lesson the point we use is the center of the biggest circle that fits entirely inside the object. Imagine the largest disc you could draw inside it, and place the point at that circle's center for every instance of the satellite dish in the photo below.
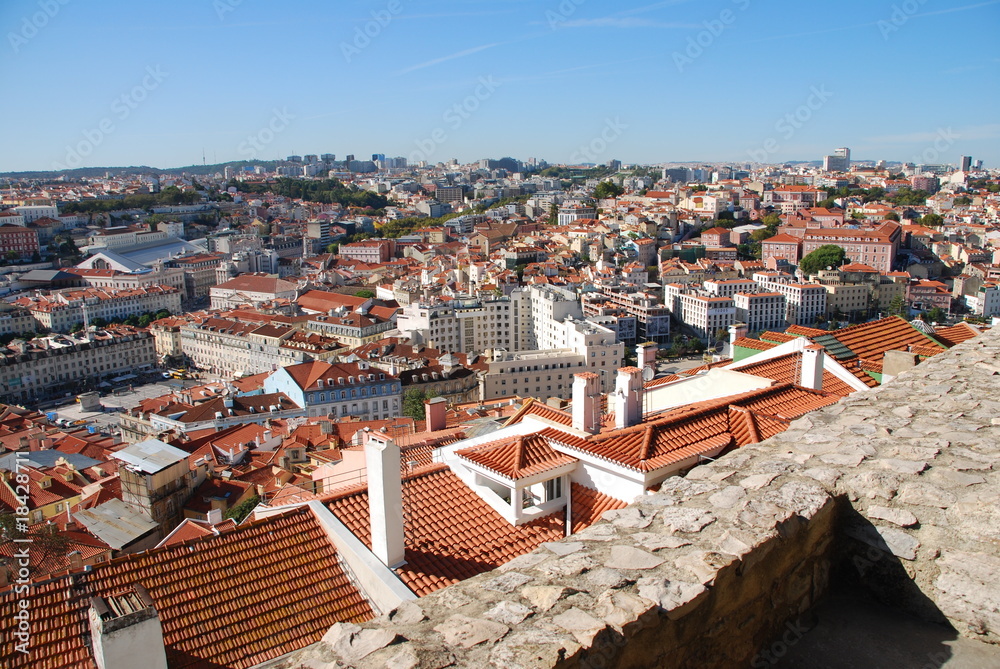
(720, 347)
(648, 373)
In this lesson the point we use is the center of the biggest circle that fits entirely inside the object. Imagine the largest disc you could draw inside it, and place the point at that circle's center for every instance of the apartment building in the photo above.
(792, 198)
(339, 390)
(18, 240)
(804, 302)
(539, 374)
(652, 317)
(760, 311)
(461, 326)
(60, 311)
(705, 315)
(30, 370)
(876, 247)
(782, 247)
(199, 273)
(730, 287)
(251, 290)
(371, 251)
(237, 348)
(570, 214)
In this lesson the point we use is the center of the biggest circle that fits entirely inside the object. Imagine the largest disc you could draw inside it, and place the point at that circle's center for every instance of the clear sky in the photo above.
(158, 83)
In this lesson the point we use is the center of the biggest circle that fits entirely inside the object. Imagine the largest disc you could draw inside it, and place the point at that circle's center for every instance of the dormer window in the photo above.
(350, 379)
(319, 383)
(340, 380)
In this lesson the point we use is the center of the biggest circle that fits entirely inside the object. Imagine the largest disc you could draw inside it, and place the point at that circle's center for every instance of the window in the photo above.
(553, 489)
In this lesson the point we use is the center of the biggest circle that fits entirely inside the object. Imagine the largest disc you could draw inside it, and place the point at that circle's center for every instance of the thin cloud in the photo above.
(454, 56)
(624, 22)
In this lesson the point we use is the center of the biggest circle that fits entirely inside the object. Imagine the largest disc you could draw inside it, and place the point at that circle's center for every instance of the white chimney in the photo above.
(214, 517)
(125, 631)
(812, 367)
(587, 402)
(628, 397)
(385, 499)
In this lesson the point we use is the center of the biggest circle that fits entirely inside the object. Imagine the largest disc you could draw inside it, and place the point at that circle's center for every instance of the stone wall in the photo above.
(895, 489)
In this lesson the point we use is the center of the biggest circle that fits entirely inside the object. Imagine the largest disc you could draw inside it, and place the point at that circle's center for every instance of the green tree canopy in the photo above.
(931, 220)
(829, 255)
(365, 293)
(892, 216)
(413, 402)
(607, 189)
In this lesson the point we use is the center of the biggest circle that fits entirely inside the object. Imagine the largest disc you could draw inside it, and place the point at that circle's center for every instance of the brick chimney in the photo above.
(75, 560)
(385, 499)
(812, 367)
(435, 410)
(587, 402)
(737, 331)
(628, 397)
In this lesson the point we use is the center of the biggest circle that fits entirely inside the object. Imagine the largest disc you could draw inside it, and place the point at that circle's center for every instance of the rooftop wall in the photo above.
(895, 489)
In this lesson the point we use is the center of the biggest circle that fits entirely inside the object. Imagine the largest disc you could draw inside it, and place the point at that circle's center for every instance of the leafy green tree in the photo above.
(829, 255)
(935, 315)
(242, 510)
(772, 220)
(932, 220)
(892, 216)
(365, 293)
(145, 320)
(162, 313)
(962, 201)
(413, 402)
(608, 189)
(828, 203)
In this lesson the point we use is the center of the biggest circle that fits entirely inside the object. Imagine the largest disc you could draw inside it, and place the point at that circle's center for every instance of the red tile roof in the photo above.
(786, 369)
(956, 334)
(236, 600)
(870, 341)
(451, 533)
(518, 457)
(588, 506)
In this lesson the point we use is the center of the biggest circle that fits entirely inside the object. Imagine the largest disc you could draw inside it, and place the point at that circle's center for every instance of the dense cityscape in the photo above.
(337, 410)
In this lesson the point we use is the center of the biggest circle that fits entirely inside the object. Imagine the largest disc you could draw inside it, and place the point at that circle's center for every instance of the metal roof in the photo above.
(150, 456)
(45, 459)
(116, 523)
(834, 346)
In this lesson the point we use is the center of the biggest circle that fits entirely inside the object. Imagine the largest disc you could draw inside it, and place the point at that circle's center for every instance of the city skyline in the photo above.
(673, 81)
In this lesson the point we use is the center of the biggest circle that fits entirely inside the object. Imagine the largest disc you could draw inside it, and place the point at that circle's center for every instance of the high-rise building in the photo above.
(378, 157)
(966, 163)
(840, 161)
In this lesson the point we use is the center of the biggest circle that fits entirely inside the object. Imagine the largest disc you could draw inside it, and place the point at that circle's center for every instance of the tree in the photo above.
(897, 307)
(554, 214)
(242, 510)
(162, 313)
(365, 293)
(829, 255)
(413, 402)
(772, 220)
(961, 201)
(828, 203)
(935, 315)
(607, 190)
(892, 216)
(145, 320)
(931, 221)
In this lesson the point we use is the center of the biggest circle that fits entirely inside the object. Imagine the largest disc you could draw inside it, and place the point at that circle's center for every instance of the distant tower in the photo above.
(966, 163)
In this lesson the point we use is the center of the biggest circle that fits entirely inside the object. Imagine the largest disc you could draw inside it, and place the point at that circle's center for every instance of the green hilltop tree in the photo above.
(829, 255)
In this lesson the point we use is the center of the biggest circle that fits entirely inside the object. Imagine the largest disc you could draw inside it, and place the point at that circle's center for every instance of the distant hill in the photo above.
(92, 172)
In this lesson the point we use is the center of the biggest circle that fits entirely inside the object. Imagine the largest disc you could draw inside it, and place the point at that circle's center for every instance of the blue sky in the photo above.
(130, 83)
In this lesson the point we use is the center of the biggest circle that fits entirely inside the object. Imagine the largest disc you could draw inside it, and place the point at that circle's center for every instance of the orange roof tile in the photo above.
(518, 457)
(236, 600)
(451, 533)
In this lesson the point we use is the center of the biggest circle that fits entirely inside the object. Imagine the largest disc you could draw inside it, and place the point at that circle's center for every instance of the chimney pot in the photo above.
(628, 397)
(812, 367)
(385, 499)
(587, 402)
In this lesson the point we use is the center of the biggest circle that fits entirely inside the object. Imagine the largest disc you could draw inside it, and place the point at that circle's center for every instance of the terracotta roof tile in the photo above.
(451, 533)
(518, 457)
(236, 600)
